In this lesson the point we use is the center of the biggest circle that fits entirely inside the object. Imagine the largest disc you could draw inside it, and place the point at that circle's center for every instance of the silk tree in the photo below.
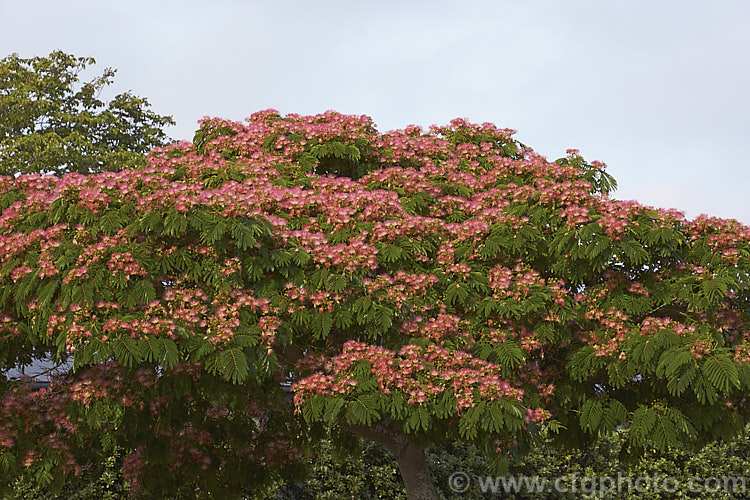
(410, 287)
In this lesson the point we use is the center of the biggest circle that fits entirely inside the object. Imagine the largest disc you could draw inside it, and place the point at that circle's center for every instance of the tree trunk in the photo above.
(410, 457)
(417, 479)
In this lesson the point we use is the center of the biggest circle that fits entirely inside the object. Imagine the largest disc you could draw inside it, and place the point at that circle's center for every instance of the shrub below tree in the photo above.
(373, 473)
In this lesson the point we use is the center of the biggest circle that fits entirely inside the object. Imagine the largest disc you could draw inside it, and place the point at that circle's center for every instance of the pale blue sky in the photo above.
(658, 90)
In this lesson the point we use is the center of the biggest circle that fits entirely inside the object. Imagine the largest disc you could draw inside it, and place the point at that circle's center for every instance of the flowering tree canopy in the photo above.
(412, 286)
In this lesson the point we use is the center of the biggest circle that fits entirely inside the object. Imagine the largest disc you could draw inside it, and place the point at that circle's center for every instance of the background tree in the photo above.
(50, 122)
(415, 287)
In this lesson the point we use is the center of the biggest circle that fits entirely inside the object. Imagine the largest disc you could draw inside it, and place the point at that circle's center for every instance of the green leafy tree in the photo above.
(50, 122)
(410, 287)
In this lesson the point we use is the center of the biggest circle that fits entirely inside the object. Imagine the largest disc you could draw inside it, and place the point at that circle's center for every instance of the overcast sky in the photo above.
(658, 90)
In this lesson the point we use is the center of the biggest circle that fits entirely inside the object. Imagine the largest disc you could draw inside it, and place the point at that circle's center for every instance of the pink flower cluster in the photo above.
(400, 288)
(420, 373)
(436, 329)
(514, 283)
(125, 263)
(651, 325)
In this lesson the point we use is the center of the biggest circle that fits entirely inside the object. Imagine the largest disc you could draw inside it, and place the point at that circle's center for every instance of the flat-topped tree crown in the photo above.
(413, 286)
